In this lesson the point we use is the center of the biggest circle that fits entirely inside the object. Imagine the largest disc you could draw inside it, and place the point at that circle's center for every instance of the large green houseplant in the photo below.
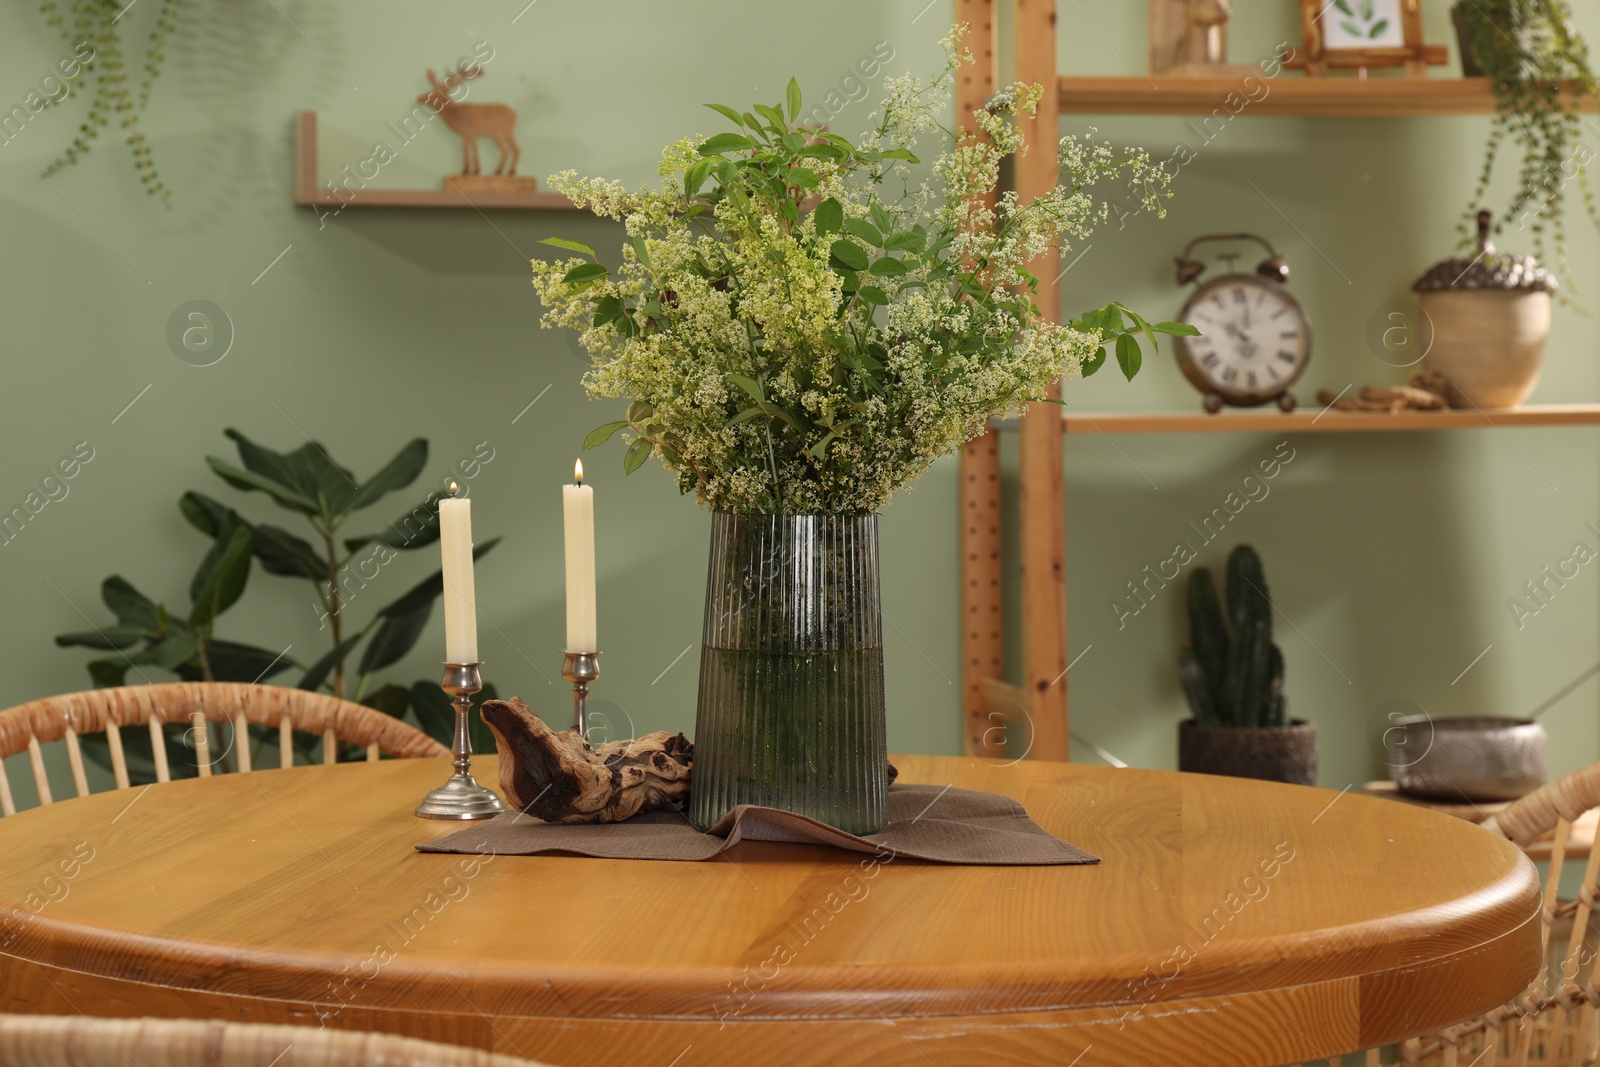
(802, 324)
(1538, 66)
(338, 566)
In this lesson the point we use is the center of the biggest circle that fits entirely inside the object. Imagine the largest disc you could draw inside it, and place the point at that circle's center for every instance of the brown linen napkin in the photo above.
(926, 822)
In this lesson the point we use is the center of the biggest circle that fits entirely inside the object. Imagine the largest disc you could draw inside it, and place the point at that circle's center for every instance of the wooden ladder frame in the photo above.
(991, 707)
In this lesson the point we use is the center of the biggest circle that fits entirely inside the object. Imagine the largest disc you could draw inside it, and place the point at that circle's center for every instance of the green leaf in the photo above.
(774, 118)
(749, 385)
(570, 246)
(319, 671)
(398, 473)
(608, 309)
(887, 267)
(332, 486)
(109, 637)
(828, 215)
(1176, 329)
(746, 415)
(271, 465)
(880, 217)
(905, 241)
(1377, 29)
(795, 143)
(865, 230)
(178, 648)
(205, 514)
(395, 636)
(393, 700)
(1094, 362)
(425, 592)
(418, 528)
(719, 143)
(637, 453)
(108, 673)
(601, 434)
(220, 578)
(131, 607)
(1344, 6)
(804, 177)
(871, 294)
(584, 272)
(290, 498)
(900, 153)
(282, 553)
(850, 254)
(727, 112)
(233, 662)
(1128, 355)
(793, 100)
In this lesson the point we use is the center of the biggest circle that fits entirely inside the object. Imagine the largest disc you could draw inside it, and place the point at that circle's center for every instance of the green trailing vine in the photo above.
(99, 23)
(1539, 67)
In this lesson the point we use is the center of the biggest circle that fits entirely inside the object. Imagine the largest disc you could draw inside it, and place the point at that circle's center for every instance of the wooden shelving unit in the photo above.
(1316, 420)
(1287, 94)
(308, 192)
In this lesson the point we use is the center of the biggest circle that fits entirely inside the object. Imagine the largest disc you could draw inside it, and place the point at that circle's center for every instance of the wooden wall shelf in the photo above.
(1289, 94)
(308, 192)
(1315, 420)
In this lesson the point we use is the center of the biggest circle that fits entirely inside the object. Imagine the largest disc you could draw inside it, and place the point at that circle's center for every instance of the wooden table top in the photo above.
(1231, 922)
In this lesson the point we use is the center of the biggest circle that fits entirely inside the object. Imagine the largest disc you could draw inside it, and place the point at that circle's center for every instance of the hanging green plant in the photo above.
(1538, 66)
(98, 22)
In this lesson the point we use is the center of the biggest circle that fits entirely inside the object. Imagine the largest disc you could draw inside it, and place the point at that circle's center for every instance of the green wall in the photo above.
(1392, 555)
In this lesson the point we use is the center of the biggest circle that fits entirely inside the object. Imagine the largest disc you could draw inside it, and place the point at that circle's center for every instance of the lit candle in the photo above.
(578, 509)
(460, 601)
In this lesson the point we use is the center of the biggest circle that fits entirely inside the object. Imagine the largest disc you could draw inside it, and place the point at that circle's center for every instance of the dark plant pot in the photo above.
(1469, 63)
(791, 710)
(1270, 753)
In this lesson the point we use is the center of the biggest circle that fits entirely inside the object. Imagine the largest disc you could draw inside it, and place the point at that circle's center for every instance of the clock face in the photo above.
(1254, 339)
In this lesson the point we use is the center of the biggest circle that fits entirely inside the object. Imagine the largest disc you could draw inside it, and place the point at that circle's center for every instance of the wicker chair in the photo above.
(1553, 1023)
(72, 715)
(64, 1041)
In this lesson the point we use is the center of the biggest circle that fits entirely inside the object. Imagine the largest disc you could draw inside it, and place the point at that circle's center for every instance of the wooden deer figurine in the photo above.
(473, 121)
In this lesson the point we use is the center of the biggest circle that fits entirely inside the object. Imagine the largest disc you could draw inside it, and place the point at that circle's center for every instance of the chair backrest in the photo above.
(1553, 1023)
(70, 716)
(84, 1042)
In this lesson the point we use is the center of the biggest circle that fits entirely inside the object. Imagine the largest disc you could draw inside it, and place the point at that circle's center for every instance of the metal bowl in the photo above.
(1468, 757)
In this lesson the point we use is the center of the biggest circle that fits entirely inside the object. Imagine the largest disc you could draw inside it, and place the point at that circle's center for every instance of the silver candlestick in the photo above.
(581, 668)
(461, 797)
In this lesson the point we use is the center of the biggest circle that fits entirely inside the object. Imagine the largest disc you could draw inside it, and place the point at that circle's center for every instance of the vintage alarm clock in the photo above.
(1255, 339)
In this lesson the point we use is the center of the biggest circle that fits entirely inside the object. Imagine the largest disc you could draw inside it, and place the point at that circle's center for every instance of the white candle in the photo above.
(578, 510)
(460, 600)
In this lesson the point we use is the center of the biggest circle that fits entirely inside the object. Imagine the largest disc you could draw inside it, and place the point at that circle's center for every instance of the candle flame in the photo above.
(454, 487)
(577, 470)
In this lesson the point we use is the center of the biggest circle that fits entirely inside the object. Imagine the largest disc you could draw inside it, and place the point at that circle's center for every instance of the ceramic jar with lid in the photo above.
(1491, 317)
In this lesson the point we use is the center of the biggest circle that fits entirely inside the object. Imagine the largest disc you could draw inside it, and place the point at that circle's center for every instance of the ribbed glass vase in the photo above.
(791, 709)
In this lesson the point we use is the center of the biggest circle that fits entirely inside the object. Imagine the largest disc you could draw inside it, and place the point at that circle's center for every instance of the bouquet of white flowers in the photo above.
(803, 325)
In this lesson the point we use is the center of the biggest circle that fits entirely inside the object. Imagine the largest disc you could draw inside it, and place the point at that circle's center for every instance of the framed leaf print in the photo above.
(1347, 34)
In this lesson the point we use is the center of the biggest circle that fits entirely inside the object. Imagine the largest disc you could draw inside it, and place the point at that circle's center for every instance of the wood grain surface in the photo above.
(1231, 922)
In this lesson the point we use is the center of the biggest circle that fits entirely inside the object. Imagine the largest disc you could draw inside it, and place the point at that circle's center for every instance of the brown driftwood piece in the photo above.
(1425, 393)
(556, 776)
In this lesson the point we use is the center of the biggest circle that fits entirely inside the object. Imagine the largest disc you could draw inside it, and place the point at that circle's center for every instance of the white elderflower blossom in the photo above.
(804, 325)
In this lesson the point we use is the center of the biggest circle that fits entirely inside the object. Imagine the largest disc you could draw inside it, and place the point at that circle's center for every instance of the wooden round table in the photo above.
(1231, 922)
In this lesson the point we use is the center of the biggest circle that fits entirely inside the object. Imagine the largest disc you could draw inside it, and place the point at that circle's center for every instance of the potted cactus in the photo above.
(1232, 675)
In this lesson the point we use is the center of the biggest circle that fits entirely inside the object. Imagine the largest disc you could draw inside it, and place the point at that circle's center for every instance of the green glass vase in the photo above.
(791, 711)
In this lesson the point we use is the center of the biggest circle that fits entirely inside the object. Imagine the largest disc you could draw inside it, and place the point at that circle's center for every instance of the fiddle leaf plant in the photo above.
(339, 567)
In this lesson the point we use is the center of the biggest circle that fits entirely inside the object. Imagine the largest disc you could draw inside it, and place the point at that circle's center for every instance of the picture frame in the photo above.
(1353, 34)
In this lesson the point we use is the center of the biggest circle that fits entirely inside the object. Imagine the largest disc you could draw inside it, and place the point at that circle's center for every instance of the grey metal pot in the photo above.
(1467, 757)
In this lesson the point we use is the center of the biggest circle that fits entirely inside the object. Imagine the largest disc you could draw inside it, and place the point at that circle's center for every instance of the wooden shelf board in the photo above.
(1316, 420)
(308, 192)
(1287, 94)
